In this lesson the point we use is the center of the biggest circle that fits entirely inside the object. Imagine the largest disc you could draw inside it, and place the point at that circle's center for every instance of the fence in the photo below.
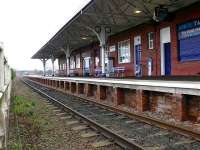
(5, 90)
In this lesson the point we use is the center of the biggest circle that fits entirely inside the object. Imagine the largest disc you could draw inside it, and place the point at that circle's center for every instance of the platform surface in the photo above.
(182, 87)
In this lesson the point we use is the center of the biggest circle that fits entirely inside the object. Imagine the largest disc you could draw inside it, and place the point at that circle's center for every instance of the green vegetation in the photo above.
(22, 106)
(13, 74)
(16, 146)
(27, 122)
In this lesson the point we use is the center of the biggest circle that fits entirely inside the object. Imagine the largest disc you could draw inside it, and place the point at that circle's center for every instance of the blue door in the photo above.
(138, 57)
(167, 51)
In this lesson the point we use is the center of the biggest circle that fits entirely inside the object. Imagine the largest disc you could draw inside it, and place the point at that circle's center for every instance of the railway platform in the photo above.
(129, 129)
(175, 103)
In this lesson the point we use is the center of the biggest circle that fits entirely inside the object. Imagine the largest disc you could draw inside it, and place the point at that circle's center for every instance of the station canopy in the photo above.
(115, 15)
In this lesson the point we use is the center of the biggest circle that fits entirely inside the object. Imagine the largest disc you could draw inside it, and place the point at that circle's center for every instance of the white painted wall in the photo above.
(165, 37)
(5, 90)
(1, 70)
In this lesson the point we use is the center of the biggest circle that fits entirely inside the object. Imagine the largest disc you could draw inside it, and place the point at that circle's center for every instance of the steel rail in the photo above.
(152, 121)
(118, 139)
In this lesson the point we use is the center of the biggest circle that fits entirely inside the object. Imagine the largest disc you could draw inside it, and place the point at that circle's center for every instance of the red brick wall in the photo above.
(109, 94)
(130, 98)
(194, 108)
(161, 103)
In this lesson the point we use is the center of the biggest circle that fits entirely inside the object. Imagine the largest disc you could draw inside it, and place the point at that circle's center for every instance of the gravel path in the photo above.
(54, 133)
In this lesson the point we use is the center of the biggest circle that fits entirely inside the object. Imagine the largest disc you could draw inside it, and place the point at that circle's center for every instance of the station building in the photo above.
(167, 45)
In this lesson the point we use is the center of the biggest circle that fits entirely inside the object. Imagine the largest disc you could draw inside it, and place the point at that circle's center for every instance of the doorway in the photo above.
(86, 66)
(165, 51)
(138, 56)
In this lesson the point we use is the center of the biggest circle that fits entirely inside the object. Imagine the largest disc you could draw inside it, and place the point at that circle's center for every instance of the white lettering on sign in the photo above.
(189, 33)
(197, 22)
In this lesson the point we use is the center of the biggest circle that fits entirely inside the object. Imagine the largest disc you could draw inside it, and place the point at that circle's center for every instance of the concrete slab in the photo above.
(56, 110)
(153, 148)
(65, 117)
(159, 134)
(60, 114)
(109, 114)
(184, 142)
(101, 144)
(121, 117)
(52, 106)
(89, 134)
(79, 128)
(131, 121)
(72, 122)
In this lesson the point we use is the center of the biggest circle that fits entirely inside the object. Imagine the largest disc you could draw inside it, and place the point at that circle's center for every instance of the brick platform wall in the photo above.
(194, 108)
(177, 106)
(130, 98)
(109, 93)
(101, 93)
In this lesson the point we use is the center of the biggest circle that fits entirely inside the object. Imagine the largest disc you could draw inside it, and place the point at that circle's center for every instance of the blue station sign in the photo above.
(189, 39)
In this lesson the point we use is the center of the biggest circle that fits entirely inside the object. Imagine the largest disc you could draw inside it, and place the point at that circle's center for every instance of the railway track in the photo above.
(127, 132)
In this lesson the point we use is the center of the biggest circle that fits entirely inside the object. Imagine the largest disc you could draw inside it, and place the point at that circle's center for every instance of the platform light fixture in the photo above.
(84, 38)
(137, 11)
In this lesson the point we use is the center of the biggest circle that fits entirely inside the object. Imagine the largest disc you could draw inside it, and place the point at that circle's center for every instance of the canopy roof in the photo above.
(118, 15)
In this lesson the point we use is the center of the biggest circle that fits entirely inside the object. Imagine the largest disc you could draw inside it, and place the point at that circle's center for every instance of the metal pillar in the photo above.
(53, 70)
(103, 40)
(44, 60)
(102, 34)
(67, 54)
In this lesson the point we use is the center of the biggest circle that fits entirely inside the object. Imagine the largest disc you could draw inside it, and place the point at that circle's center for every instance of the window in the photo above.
(72, 63)
(150, 40)
(124, 51)
(78, 61)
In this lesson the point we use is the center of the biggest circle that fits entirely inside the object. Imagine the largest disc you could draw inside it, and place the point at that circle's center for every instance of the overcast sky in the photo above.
(26, 25)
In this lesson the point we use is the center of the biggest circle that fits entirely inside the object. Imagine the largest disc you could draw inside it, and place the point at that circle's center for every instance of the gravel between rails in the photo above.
(146, 135)
(55, 134)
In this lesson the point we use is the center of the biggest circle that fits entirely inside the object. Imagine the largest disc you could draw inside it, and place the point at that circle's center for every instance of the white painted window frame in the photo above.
(128, 52)
(150, 41)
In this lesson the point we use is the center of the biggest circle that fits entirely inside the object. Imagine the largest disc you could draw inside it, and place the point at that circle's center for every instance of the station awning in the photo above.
(116, 15)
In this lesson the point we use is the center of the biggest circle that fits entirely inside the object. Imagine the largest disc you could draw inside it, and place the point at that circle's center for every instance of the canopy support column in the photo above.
(53, 69)
(67, 54)
(102, 34)
(44, 60)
